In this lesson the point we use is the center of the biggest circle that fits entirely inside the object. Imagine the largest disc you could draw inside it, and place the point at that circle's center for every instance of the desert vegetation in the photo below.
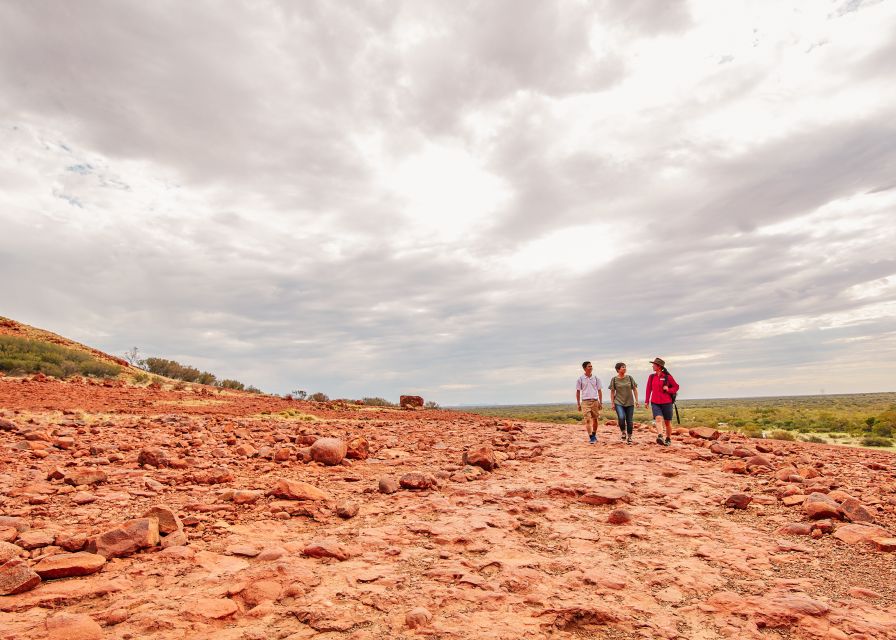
(868, 419)
(185, 373)
(19, 356)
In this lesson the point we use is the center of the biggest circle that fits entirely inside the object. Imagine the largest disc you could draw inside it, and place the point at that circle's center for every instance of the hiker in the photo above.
(590, 400)
(624, 398)
(659, 396)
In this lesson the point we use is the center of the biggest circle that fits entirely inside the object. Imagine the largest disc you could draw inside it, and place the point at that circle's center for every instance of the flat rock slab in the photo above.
(69, 565)
(73, 626)
(17, 577)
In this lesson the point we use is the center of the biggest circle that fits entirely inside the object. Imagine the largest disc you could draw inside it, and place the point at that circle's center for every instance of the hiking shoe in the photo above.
(628, 440)
(623, 437)
(667, 442)
(592, 438)
(660, 441)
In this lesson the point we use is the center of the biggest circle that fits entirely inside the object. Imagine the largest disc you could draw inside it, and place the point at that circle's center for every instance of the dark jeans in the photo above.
(626, 417)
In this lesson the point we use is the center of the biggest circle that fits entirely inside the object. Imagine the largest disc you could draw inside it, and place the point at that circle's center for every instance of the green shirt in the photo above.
(623, 388)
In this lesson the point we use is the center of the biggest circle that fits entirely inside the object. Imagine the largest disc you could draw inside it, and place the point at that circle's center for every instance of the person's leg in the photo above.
(620, 418)
(629, 420)
(667, 422)
(657, 421)
(588, 418)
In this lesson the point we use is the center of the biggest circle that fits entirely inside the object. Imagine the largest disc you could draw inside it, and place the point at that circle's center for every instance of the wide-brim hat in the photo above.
(658, 361)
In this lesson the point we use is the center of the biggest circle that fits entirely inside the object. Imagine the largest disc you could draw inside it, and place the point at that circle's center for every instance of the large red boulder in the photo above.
(410, 402)
(328, 451)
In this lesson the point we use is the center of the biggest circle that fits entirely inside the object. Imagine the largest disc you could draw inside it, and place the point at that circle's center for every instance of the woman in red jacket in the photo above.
(661, 387)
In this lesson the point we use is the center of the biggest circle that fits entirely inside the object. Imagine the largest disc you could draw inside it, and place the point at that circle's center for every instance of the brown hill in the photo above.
(13, 328)
(132, 512)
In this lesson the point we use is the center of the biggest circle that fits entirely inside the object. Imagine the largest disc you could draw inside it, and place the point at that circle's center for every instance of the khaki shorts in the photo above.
(590, 408)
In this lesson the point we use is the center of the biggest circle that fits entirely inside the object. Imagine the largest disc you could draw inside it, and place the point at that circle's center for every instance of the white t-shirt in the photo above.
(588, 386)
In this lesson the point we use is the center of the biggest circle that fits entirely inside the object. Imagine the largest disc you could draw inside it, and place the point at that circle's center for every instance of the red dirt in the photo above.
(561, 540)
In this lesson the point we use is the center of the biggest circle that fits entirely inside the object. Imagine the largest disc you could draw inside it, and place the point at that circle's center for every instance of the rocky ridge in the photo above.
(132, 512)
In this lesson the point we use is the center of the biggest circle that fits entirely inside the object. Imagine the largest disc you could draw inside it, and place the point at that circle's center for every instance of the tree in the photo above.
(133, 358)
(299, 394)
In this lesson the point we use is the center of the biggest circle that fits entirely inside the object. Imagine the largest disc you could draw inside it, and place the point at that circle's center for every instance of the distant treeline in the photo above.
(21, 356)
(178, 371)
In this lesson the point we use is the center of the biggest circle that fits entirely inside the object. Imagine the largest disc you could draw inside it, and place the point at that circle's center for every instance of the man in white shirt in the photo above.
(590, 400)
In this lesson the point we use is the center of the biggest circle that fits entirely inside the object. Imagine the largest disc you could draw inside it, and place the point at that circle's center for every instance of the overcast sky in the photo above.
(458, 199)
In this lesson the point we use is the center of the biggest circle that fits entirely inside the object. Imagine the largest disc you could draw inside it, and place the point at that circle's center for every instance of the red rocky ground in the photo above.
(133, 513)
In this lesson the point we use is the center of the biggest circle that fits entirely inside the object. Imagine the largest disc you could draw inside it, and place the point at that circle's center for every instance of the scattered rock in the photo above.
(619, 516)
(388, 484)
(212, 608)
(855, 511)
(357, 449)
(603, 495)
(328, 451)
(73, 626)
(296, 490)
(706, 433)
(9, 551)
(153, 457)
(417, 617)
(481, 456)
(84, 476)
(347, 510)
(17, 577)
(168, 520)
(818, 505)
(416, 481)
(69, 565)
(36, 539)
(326, 548)
(738, 501)
(856, 533)
(126, 539)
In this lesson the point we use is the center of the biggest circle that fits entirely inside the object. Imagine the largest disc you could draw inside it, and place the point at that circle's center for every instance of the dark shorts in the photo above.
(664, 410)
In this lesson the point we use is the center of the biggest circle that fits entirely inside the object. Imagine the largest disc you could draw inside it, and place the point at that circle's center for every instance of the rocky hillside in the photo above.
(137, 513)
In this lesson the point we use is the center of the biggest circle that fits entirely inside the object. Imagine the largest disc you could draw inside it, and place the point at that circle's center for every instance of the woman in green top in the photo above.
(624, 397)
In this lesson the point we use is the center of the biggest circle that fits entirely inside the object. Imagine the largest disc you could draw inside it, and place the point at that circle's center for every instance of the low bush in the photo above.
(377, 402)
(752, 432)
(19, 356)
(815, 439)
(876, 441)
(319, 397)
(780, 434)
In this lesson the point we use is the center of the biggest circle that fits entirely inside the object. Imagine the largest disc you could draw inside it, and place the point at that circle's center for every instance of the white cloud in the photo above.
(369, 199)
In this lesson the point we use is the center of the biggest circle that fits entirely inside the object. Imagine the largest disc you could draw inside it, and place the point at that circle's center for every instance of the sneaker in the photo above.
(628, 440)
(623, 437)
(659, 440)
(592, 438)
(667, 442)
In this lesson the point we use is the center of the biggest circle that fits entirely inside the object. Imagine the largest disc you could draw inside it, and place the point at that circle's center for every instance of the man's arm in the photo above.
(579, 399)
(600, 398)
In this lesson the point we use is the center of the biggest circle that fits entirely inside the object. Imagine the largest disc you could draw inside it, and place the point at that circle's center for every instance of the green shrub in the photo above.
(377, 402)
(780, 434)
(882, 429)
(141, 378)
(752, 431)
(815, 439)
(876, 441)
(319, 397)
(236, 385)
(19, 356)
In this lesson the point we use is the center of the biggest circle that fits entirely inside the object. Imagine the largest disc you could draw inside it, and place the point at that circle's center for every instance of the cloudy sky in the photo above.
(458, 199)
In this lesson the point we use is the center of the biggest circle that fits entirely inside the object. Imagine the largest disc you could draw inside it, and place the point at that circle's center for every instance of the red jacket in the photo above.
(655, 384)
